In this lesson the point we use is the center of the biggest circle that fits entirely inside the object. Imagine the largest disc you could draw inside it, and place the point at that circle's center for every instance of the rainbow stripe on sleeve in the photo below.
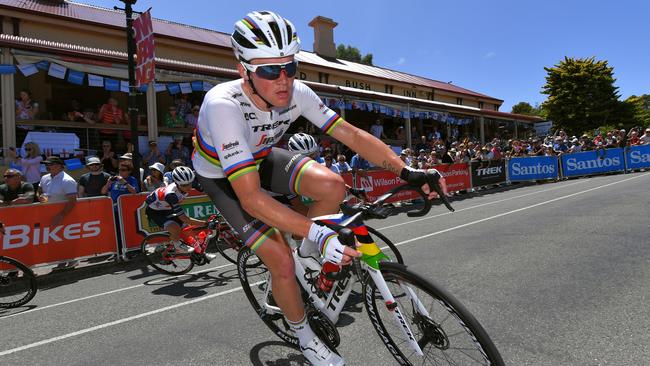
(331, 123)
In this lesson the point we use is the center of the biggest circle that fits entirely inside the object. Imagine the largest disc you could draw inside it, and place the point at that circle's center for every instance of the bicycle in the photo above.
(418, 321)
(161, 253)
(17, 282)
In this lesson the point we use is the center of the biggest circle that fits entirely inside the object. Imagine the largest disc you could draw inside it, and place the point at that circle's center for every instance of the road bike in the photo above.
(418, 321)
(17, 283)
(215, 235)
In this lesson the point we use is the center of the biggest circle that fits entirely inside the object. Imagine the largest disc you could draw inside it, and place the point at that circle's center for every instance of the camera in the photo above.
(115, 177)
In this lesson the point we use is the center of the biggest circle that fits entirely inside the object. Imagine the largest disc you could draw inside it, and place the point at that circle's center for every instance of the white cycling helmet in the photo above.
(302, 143)
(183, 175)
(264, 34)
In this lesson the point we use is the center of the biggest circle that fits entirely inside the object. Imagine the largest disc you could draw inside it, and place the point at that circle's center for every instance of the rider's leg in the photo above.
(325, 187)
(174, 234)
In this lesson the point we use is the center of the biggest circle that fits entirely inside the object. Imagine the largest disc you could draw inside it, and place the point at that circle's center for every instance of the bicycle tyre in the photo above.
(394, 253)
(152, 249)
(229, 249)
(17, 283)
(449, 335)
(255, 280)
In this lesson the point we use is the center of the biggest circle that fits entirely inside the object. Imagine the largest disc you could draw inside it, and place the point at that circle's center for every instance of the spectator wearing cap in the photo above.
(560, 146)
(167, 177)
(154, 155)
(645, 139)
(155, 178)
(30, 163)
(127, 159)
(404, 155)
(122, 183)
(176, 150)
(191, 119)
(91, 183)
(14, 191)
(575, 146)
(57, 186)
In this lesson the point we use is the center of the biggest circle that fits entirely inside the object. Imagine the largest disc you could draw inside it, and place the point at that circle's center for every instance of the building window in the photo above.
(496, 107)
(459, 101)
(323, 78)
(480, 105)
(389, 89)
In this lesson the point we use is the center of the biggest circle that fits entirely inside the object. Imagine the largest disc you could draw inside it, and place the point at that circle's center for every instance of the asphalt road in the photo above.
(558, 274)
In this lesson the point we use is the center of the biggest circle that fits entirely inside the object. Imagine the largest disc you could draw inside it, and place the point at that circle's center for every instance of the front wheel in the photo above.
(445, 331)
(17, 283)
(393, 253)
(160, 253)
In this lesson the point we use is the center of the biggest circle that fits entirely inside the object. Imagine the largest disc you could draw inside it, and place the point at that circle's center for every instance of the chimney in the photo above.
(324, 36)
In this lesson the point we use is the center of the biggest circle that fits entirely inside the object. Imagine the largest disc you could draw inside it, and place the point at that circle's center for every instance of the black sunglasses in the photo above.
(273, 71)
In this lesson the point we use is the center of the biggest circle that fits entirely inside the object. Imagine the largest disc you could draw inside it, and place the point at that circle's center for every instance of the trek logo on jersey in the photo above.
(244, 104)
(236, 95)
(267, 127)
(229, 145)
(249, 116)
(267, 140)
(287, 110)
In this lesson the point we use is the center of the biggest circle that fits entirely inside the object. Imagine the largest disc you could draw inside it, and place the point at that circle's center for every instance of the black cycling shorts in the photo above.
(281, 172)
(162, 218)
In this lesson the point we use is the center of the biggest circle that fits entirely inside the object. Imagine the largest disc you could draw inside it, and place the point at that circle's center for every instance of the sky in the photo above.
(498, 48)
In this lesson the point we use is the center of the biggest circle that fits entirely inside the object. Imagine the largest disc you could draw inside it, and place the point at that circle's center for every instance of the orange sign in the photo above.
(87, 230)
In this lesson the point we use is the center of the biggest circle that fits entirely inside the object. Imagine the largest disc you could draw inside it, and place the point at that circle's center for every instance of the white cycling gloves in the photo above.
(328, 243)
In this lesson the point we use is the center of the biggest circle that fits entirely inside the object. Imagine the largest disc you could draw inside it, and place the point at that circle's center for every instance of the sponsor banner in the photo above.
(135, 225)
(533, 168)
(488, 172)
(456, 175)
(592, 162)
(87, 230)
(145, 69)
(638, 157)
(378, 182)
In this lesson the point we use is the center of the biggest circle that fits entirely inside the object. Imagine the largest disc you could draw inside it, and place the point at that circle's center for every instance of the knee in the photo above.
(282, 267)
(331, 188)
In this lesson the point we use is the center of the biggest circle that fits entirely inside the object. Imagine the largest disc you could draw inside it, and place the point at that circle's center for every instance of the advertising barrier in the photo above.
(456, 175)
(592, 162)
(135, 225)
(637, 157)
(487, 172)
(88, 230)
(533, 168)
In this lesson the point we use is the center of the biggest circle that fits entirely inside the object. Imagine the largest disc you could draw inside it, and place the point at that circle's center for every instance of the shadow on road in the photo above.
(276, 353)
(191, 286)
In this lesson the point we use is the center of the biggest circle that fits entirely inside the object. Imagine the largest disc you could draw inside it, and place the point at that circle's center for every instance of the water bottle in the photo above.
(325, 284)
(199, 243)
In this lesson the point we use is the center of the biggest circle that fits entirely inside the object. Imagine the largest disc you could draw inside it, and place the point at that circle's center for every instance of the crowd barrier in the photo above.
(89, 229)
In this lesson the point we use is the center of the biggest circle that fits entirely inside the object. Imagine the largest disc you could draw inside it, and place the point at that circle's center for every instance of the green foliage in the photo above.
(640, 108)
(527, 109)
(353, 54)
(582, 95)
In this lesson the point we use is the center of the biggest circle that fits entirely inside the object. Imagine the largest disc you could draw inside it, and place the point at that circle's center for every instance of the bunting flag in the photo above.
(7, 69)
(28, 69)
(57, 71)
(207, 86)
(95, 80)
(124, 86)
(111, 84)
(186, 88)
(197, 85)
(173, 88)
(159, 87)
(143, 88)
(76, 77)
(43, 65)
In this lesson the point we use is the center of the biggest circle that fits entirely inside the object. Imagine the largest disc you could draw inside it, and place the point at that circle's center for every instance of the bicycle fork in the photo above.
(394, 308)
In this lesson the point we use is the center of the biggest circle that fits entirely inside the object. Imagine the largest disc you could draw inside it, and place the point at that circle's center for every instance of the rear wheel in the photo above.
(161, 254)
(17, 283)
(445, 331)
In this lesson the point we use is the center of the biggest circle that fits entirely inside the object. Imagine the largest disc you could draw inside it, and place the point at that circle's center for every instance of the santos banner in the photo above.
(638, 157)
(592, 162)
(533, 168)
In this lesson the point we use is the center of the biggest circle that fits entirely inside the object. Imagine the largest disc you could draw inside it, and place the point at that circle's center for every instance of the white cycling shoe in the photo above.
(318, 354)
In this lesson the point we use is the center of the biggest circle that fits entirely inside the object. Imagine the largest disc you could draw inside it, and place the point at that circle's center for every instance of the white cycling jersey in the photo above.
(233, 136)
(166, 198)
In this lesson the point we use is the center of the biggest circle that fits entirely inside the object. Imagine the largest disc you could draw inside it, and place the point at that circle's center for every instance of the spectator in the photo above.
(183, 106)
(14, 191)
(176, 150)
(342, 164)
(400, 135)
(127, 160)
(621, 140)
(634, 138)
(111, 113)
(191, 119)
(377, 129)
(91, 183)
(560, 146)
(108, 159)
(121, 184)
(30, 163)
(359, 164)
(586, 143)
(172, 119)
(154, 155)
(26, 108)
(329, 164)
(645, 139)
(155, 178)
(575, 146)
(446, 157)
(76, 115)
(57, 186)
(422, 145)
(167, 177)
(536, 149)
(404, 155)
(422, 159)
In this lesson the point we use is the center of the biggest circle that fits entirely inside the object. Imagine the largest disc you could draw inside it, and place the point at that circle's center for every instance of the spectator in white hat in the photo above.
(91, 183)
(155, 178)
(645, 139)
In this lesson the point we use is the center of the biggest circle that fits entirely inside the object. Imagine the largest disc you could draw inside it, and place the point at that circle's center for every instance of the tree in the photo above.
(353, 54)
(581, 95)
(641, 108)
(527, 109)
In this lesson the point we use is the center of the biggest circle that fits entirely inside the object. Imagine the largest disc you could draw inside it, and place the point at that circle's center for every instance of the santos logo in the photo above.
(517, 169)
(637, 157)
(574, 164)
(20, 235)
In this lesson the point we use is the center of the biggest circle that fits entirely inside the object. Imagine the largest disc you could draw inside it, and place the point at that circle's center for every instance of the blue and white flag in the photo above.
(124, 86)
(207, 86)
(76, 77)
(197, 85)
(186, 88)
(28, 69)
(95, 80)
(173, 88)
(57, 71)
(111, 84)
